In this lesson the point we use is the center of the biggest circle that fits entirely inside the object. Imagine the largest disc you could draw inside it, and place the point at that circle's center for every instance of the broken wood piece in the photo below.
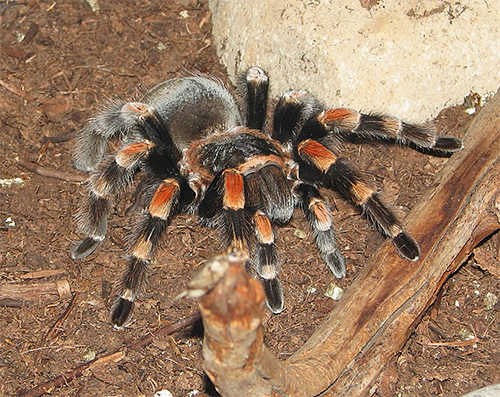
(68, 136)
(42, 273)
(233, 334)
(378, 312)
(48, 291)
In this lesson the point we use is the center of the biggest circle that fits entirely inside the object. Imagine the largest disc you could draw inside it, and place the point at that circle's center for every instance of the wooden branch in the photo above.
(378, 312)
(50, 291)
(233, 332)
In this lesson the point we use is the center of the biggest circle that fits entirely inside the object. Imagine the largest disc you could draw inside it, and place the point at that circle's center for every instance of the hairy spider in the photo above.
(243, 165)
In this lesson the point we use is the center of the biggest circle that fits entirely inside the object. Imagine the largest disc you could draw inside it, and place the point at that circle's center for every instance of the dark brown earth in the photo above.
(70, 60)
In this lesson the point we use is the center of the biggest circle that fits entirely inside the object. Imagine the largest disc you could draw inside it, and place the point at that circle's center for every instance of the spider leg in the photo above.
(385, 127)
(320, 219)
(116, 119)
(255, 86)
(167, 194)
(226, 208)
(143, 244)
(266, 188)
(112, 178)
(292, 111)
(265, 262)
(223, 207)
(320, 163)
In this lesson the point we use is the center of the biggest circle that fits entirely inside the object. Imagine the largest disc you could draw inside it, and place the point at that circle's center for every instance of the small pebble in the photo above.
(490, 300)
(334, 292)
(10, 182)
(89, 356)
(163, 393)
(299, 233)
(94, 5)
(465, 334)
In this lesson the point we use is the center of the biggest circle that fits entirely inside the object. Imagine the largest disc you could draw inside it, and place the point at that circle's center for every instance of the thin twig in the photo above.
(460, 343)
(68, 136)
(60, 320)
(14, 90)
(42, 273)
(439, 332)
(54, 331)
(115, 356)
(50, 173)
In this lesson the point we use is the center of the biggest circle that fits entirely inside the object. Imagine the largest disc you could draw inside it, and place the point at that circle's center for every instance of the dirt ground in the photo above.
(59, 61)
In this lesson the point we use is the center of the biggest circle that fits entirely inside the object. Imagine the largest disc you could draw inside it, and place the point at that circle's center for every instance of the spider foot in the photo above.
(257, 85)
(407, 247)
(85, 248)
(448, 144)
(336, 263)
(274, 294)
(121, 312)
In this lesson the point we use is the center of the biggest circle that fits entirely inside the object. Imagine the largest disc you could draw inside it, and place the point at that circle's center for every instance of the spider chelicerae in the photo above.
(242, 164)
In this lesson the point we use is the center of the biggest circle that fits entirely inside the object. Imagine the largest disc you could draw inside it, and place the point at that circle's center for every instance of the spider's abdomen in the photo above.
(192, 107)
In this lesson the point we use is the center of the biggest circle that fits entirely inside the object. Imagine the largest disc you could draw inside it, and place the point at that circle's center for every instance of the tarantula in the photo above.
(243, 165)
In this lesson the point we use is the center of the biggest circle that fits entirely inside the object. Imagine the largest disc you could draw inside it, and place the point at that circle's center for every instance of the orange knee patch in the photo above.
(321, 213)
(163, 198)
(347, 119)
(263, 228)
(315, 153)
(234, 194)
(361, 192)
(129, 155)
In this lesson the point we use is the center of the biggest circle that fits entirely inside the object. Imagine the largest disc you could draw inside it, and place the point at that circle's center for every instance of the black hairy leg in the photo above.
(255, 90)
(338, 174)
(265, 262)
(226, 208)
(166, 191)
(267, 188)
(386, 127)
(143, 242)
(114, 120)
(110, 180)
(320, 218)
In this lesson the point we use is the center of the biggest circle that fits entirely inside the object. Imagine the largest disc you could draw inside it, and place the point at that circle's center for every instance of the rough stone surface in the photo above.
(409, 58)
